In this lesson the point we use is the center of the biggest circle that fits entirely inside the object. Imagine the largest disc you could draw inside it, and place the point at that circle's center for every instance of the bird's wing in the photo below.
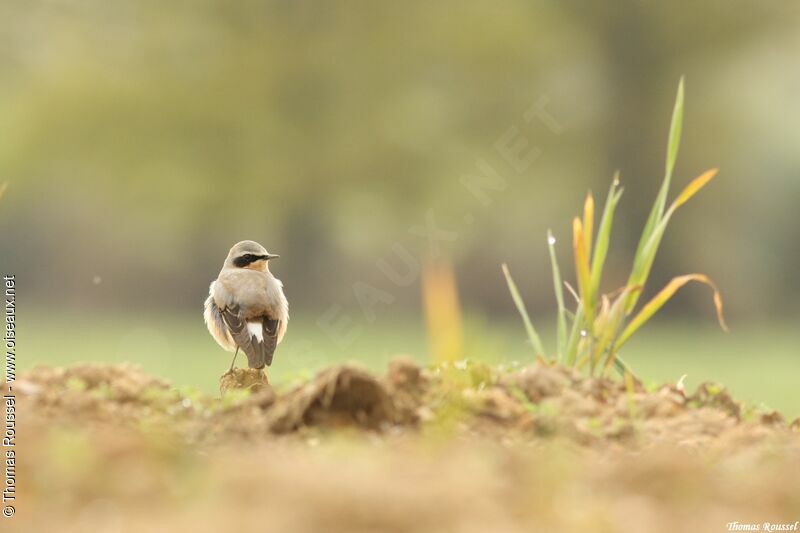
(252, 336)
(216, 325)
(282, 323)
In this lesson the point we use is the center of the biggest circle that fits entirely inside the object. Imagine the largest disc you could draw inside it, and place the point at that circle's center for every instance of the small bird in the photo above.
(246, 308)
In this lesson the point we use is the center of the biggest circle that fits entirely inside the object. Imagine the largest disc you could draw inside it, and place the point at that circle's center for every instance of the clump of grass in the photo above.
(601, 324)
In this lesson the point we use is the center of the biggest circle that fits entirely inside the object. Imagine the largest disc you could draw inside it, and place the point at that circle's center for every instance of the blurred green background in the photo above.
(142, 139)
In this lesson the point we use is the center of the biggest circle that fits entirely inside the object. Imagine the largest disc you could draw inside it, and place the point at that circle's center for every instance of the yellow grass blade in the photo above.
(3, 188)
(662, 297)
(582, 268)
(588, 223)
(690, 190)
(644, 262)
(442, 312)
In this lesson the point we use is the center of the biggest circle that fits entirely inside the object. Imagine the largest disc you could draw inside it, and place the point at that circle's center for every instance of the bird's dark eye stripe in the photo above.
(244, 260)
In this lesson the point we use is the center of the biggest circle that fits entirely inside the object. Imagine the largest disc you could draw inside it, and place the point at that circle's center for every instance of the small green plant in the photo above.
(602, 323)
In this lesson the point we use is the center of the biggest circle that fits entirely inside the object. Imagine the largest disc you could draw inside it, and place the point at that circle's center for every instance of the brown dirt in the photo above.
(249, 379)
(471, 448)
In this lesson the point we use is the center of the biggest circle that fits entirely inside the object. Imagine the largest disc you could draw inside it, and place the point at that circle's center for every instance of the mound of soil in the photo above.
(248, 379)
(461, 448)
(535, 402)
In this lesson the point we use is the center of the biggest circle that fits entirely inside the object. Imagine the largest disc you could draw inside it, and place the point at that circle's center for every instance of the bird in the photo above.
(246, 308)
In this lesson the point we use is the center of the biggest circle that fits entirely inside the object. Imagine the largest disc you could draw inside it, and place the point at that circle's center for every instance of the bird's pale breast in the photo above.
(256, 293)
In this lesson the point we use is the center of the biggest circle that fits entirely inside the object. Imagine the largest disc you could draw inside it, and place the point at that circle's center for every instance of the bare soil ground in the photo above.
(456, 448)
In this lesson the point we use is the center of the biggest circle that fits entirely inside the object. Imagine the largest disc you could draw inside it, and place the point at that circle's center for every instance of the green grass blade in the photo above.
(644, 263)
(675, 129)
(532, 335)
(657, 212)
(559, 290)
(571, 355)
(621, 366)
(604, 235)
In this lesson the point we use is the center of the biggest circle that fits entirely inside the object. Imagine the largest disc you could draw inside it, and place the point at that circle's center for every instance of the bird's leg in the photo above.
(233, 362)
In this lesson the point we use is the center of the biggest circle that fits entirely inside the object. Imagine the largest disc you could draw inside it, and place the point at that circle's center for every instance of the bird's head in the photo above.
(249, 254)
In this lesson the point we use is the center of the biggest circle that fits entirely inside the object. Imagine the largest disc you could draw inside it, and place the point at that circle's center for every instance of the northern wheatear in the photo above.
(246, 307)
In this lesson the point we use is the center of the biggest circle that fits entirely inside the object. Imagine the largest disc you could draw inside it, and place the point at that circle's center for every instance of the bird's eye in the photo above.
(243, 260)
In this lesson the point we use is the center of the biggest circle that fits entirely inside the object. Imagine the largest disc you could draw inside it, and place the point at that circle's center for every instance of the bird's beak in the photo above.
(271, 256)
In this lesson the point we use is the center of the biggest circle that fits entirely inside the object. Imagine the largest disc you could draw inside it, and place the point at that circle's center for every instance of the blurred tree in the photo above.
(141, 140)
